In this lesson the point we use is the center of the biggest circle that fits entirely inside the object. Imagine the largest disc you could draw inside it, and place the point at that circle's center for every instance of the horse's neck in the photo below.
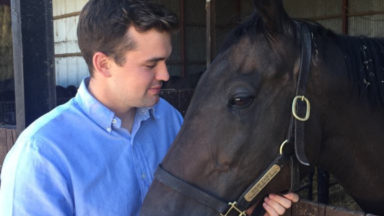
(352, 149)
(352, 120)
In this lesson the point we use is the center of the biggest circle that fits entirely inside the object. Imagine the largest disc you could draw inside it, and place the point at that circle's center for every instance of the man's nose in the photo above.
(162, 73)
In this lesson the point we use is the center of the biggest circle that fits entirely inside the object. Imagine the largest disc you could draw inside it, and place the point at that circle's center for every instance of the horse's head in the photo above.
(238, 118)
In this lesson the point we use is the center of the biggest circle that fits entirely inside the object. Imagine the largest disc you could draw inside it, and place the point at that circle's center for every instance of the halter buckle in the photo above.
(307, 112)
(233, 206)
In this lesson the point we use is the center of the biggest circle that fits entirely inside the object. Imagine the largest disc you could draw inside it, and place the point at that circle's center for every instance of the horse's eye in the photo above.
(241, 102)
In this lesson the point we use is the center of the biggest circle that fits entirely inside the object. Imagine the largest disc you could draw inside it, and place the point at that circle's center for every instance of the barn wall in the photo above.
(71, 68)
(317, 10)
(195, 40)
(7, 107)
(229, 14)
(6, 66)
(365, 17)
(370, 25)
(69, 65)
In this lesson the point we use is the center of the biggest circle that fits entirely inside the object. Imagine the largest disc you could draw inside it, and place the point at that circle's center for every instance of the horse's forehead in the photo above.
(249, 54)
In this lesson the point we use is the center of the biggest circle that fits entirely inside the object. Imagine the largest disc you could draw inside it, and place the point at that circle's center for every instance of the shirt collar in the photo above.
(146, 112)
(102, 115)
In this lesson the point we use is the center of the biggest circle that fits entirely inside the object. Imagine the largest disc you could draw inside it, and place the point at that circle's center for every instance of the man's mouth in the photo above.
(155, 89)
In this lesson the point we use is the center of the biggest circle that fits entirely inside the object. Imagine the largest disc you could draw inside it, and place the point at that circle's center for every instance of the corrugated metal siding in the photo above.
(228, 12)
(365, 5)
(195, 37)
(365, 17)
(65, 35)
(312, 8)
(318, 11)
(332, 24)
(63, 7)
(70, 66)
(370, 25)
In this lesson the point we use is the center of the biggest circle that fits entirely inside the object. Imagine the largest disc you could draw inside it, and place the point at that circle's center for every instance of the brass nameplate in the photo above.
(268, 176)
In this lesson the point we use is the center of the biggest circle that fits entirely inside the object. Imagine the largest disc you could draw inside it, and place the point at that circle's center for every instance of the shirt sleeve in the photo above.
(32, 182)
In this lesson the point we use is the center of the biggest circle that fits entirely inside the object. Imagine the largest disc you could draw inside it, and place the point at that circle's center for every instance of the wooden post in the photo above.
(182, 39)
(322, 186)
(33, 57)
(345, 13)
(7, 138)
(210, 30)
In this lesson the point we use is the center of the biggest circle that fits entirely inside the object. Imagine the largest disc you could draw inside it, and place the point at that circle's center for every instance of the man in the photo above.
(96, 154)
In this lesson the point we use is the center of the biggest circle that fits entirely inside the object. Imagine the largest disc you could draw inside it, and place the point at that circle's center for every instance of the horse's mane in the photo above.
(364, 59)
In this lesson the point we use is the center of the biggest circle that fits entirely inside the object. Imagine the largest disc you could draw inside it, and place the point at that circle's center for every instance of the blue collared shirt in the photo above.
(78, 160)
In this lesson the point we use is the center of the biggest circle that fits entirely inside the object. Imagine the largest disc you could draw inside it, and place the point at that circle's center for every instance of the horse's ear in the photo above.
(272, 12)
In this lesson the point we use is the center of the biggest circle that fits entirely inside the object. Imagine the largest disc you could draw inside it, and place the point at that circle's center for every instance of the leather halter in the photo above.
(300, 113)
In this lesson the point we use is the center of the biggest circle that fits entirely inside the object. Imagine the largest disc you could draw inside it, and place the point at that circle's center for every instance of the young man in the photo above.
(96, 154)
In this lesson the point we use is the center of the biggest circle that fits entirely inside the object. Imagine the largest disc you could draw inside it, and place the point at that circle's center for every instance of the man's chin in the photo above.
(152, 101)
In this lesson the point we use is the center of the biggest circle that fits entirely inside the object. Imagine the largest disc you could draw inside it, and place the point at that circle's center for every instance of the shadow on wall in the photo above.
(64, 94)
(7, 100)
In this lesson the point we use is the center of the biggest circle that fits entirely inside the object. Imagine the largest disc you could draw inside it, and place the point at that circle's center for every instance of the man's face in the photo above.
(137, 82)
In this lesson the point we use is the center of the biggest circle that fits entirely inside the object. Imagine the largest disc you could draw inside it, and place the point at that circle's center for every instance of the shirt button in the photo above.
(114, 121)
(109, 129)
(143, 176)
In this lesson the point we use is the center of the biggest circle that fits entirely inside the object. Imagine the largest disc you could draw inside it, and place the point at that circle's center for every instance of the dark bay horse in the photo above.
(242, 111)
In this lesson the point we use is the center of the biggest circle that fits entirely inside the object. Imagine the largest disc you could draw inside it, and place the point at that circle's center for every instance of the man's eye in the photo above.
(151, 66)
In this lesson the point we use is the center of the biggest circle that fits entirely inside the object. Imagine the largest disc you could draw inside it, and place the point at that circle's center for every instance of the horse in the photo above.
(281, 92)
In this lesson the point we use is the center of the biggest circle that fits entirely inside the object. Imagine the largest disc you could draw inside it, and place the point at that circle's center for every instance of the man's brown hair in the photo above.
(103, 25)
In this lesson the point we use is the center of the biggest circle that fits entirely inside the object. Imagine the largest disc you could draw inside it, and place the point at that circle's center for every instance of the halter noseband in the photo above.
(300, 114)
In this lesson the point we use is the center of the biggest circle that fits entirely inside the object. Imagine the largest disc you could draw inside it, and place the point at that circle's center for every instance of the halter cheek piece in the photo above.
(300, 114)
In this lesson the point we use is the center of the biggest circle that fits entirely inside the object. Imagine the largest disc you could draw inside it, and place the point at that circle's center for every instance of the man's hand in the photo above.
(275, 205)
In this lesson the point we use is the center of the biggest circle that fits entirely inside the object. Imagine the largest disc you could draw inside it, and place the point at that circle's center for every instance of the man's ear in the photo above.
(101, 64)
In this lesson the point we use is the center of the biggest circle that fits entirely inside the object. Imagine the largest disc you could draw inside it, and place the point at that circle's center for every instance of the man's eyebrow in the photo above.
(156, 59)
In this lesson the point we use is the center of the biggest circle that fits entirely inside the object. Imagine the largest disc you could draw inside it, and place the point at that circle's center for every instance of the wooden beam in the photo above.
(182, 39)
(33, 57)
(345, 7)
(338, 16)
(4, 2)
(66, 15)
(210, 30)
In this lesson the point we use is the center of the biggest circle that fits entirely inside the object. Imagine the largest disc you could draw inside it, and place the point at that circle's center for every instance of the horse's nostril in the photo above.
(222, 167)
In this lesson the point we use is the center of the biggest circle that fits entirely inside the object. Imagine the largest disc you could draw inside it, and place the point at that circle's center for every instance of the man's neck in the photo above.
(127, 116)
(127, 119)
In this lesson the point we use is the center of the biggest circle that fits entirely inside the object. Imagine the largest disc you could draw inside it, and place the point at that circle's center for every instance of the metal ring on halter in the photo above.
(233, 206)
(308, 105)
(282, 146)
